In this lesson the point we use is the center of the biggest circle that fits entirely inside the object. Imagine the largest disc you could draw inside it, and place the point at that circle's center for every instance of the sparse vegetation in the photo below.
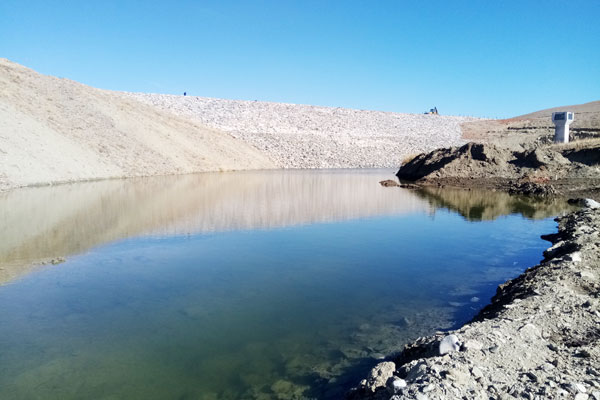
(577, 144)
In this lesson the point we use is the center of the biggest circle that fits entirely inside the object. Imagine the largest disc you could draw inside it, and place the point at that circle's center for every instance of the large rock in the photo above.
(379, 375)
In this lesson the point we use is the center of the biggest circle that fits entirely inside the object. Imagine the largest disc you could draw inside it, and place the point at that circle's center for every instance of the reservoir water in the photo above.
(248, 285)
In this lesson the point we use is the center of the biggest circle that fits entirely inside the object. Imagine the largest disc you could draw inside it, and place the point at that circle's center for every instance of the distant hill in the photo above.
(56, 130)
(587, 114)
(536, 125)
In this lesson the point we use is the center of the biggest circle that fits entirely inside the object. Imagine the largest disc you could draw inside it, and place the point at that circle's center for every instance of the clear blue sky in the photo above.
(483, 58)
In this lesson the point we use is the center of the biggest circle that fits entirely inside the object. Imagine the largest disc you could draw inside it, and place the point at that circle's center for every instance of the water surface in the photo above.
(253, 285)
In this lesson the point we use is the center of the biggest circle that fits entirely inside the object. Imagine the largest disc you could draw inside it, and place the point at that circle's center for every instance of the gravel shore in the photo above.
(538, 339)
(303, 136)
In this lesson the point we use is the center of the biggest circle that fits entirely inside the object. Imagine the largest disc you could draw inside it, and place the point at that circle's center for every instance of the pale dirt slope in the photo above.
(56, 130)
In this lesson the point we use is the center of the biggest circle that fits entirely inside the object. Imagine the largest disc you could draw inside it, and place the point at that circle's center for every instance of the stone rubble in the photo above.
(304, 136)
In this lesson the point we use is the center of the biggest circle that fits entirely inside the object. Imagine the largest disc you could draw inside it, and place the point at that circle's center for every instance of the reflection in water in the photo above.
(480, 205)
(40, 224)
(47, 222)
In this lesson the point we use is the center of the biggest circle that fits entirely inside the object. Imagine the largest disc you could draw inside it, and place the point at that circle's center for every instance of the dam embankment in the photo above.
(55, 130)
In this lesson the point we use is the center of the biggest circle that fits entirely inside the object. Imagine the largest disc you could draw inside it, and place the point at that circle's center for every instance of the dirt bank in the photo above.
(571, 170)
(538, 339)
(56, 130)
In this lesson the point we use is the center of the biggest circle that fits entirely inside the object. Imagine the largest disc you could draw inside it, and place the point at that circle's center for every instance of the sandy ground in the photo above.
(56, 130)
(568, 170)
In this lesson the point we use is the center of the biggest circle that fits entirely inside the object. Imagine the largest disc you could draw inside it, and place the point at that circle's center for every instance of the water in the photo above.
(253, 285)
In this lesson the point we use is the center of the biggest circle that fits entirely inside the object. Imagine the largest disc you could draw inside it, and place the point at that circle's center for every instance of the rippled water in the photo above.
(257, 285)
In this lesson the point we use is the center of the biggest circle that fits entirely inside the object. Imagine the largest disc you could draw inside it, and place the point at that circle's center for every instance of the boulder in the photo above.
(379, 375)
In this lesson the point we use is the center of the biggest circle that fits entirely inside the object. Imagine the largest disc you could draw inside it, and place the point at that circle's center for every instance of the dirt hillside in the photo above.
(56, 130)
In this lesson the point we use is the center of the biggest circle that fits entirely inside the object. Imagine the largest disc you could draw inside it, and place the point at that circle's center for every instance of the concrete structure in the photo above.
(562, 120)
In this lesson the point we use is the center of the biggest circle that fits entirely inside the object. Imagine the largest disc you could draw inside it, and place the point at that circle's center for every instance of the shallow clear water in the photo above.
(262, 285)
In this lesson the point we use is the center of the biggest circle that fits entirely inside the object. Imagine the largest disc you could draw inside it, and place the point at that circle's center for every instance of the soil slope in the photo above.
(56, 130)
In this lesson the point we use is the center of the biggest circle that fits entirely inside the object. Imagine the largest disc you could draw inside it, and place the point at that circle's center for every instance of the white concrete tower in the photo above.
(562, 120)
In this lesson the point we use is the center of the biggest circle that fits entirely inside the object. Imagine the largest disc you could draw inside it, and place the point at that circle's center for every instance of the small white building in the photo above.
(562, 120)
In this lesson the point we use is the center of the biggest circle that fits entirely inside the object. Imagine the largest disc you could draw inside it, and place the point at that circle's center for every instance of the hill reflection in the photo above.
(40, 224)
(47, 222)
(482, 205)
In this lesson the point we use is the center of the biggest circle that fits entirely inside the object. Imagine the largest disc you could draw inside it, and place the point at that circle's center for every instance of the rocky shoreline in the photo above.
(538, 339)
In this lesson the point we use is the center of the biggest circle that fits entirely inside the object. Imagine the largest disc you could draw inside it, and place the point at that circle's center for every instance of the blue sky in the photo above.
(482, 58)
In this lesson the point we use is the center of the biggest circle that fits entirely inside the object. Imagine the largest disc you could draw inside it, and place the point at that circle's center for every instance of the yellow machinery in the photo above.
(432, 111)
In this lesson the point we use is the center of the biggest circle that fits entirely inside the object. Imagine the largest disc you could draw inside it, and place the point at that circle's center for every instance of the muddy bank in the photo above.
(571, 170)
(539, 338)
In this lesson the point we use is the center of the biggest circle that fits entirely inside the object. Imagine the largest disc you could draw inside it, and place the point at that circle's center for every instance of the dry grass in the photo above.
(577, 144)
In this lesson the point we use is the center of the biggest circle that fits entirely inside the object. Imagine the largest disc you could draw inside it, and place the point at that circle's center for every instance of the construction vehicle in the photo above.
(432, 111)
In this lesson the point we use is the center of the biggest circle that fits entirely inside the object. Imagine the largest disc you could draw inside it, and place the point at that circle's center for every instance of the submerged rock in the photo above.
(389, 183)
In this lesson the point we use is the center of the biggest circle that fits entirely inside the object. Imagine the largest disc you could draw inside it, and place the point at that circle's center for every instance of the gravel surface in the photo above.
(302, 136)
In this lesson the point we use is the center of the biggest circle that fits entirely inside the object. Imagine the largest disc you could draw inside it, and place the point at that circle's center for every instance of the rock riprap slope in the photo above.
(56, 130)
(303, 136)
